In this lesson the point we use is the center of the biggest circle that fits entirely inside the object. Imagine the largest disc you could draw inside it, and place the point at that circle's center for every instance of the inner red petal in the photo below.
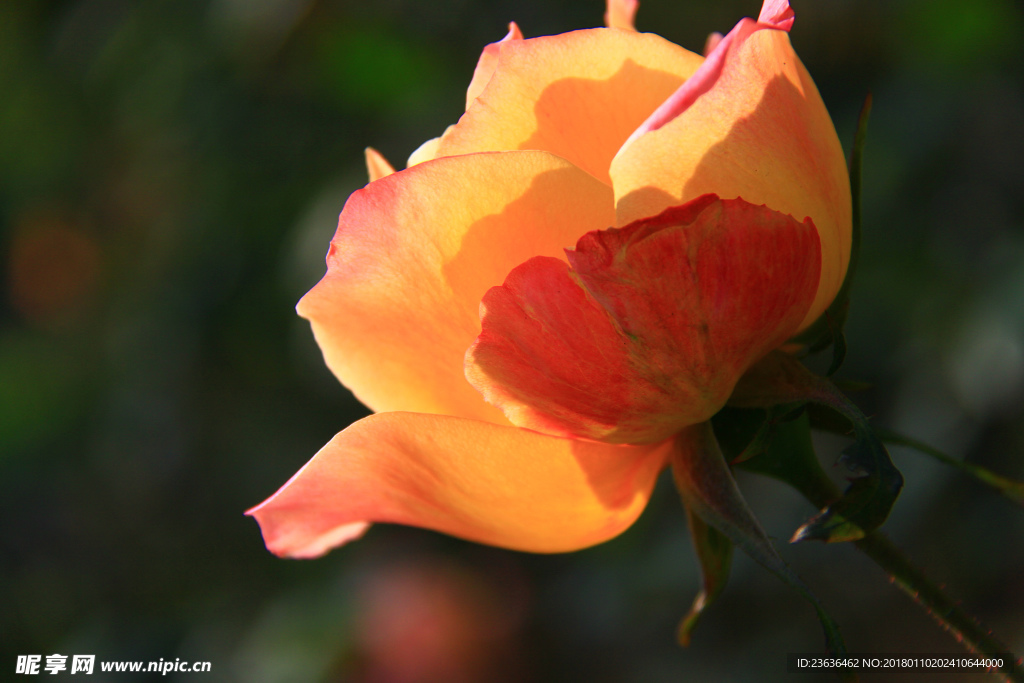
(650, 326)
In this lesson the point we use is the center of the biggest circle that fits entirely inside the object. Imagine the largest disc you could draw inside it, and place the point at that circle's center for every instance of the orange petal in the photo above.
(488, 62)
(414, 254)
(750, 123)
(578, 95)
(620, 14)
(653, 326)
(377, 166)
(502, 486)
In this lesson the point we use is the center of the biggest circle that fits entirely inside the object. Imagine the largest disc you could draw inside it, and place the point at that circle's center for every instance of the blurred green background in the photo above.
(170, 175)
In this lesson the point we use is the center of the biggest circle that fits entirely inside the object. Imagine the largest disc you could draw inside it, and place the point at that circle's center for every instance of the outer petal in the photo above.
(653, 326)
(412, 257)
(498, 485)
(578, 95)
(749, 123)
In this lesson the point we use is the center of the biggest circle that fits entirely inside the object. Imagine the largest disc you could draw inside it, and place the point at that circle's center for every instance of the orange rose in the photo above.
(587, 370)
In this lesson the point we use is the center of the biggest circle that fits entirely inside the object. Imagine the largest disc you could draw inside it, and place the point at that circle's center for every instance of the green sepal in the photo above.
(831, 421)
(780, 379)
(709, 491)
(865, 504)
(791, 459)
(1012, 489)
(714, 552)
(766, 431)
(838, 352)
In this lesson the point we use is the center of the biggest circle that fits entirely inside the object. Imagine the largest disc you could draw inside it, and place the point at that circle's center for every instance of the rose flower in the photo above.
(528, 395)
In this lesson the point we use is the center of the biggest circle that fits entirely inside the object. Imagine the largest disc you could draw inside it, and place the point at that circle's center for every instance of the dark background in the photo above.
(170, 175)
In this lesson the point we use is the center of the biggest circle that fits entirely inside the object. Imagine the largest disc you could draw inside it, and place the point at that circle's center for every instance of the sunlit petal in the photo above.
(498, 485)
(578, 95)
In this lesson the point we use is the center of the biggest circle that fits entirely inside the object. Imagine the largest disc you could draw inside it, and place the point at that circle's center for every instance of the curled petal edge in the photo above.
(488, 63)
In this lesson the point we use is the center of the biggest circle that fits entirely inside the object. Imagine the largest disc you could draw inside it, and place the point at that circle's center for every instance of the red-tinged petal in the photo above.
(578, 95)
(502, 486)
(488, 62)
(750, 123)
(377, 166)
(414, 254)
(653, 325)
(620, 14)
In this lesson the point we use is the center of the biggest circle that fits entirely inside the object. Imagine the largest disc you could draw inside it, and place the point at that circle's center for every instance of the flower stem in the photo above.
(820, 491)
(914, 583)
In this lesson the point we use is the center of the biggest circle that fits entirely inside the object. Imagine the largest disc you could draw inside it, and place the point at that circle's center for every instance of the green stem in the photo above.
(821, 492)
(914, 583)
